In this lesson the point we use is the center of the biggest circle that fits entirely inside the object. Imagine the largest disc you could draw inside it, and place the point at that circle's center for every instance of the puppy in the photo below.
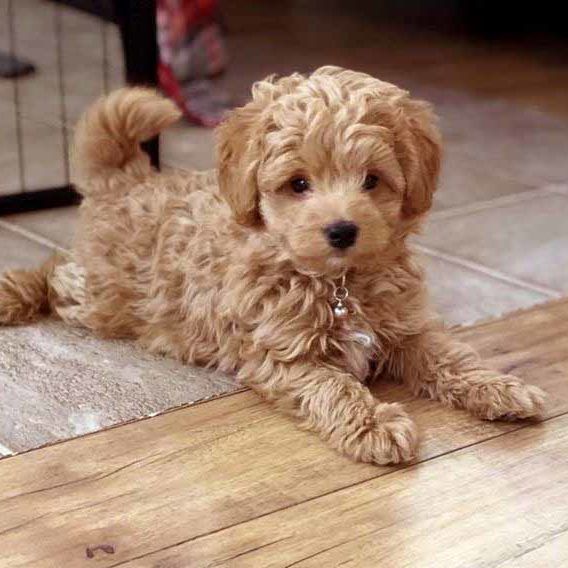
(289, 266)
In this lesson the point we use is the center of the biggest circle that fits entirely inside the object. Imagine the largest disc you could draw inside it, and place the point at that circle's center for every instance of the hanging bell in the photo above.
(340, 310)
(340, 294)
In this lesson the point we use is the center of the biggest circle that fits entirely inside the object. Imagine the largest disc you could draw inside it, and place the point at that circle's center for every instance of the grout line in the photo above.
(31, 236)
(558, 188)
(5, 450)
(501, 201)
(497, 274)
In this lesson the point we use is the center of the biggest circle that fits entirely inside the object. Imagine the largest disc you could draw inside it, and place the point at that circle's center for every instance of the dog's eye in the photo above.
(299, 185)
(371, 181)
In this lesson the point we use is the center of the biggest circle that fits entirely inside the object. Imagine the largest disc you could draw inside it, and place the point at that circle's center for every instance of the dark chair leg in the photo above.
(137, 22)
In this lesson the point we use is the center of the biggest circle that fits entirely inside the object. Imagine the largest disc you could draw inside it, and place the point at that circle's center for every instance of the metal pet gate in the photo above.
(136, 20)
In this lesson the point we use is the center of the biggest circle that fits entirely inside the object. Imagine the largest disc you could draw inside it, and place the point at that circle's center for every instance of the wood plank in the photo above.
(178, 477)
(552, 553)
(480, 506)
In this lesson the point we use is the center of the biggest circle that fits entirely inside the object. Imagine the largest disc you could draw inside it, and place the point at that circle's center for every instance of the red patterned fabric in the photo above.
(191, 50)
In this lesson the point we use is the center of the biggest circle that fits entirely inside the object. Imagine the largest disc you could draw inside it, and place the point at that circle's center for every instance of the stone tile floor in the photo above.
(496, 241)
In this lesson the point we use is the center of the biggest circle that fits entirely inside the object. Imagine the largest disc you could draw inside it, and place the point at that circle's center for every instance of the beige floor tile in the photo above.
(37, 97)
(10, 181)
(57, 225)
(42, 151)
(6, 96)
(494, 147)
(4, 24)
(515, 143)
(19, 252)
(463, 296)
(527, 240)
(465, 179)
(561, 188)
(188, 147)
(75, 383)
(6, 102)
(44, 155)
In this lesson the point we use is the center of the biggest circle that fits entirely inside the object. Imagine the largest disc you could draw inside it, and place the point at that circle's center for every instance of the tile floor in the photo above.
(497, 240)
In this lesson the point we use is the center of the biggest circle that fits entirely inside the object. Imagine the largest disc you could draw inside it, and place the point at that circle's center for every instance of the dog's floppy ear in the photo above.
(419, 151)
(239, 154)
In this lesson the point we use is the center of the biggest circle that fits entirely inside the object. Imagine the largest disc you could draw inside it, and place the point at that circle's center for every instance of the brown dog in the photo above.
(290, 266)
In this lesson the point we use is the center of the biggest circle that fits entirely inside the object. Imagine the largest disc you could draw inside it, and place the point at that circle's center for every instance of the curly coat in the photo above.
(233, 269)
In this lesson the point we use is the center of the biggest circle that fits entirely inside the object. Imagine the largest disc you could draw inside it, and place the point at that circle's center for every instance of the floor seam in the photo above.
(501, 201)
(179, 407)
(558, 189)
(491, 272)
(30, 235)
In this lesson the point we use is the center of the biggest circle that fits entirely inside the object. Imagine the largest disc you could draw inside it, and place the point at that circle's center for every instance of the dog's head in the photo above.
(339, 165)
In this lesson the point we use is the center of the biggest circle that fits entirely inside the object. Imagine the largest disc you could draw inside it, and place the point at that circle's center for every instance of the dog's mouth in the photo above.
(338, 261)
(335, 262)
(322, 259)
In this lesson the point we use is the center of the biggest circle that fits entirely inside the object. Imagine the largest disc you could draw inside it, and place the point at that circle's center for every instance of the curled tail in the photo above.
(107, 149)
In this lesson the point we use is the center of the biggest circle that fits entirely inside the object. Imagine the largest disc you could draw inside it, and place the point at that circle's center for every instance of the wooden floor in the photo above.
(231, 483)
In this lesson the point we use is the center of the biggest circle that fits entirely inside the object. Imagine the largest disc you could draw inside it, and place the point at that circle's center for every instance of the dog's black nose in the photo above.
(341, 234)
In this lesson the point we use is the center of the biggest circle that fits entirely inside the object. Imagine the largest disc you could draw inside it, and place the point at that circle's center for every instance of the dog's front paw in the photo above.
(506, 398)
(387, 436)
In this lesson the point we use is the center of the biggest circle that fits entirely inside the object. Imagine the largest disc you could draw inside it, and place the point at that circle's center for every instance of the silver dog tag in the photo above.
(362, 338)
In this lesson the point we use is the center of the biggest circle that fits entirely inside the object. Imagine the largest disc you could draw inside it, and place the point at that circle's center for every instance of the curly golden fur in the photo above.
(236, 269)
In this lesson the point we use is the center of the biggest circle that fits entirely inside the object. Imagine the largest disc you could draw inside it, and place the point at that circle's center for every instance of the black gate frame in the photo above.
(137, 22)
